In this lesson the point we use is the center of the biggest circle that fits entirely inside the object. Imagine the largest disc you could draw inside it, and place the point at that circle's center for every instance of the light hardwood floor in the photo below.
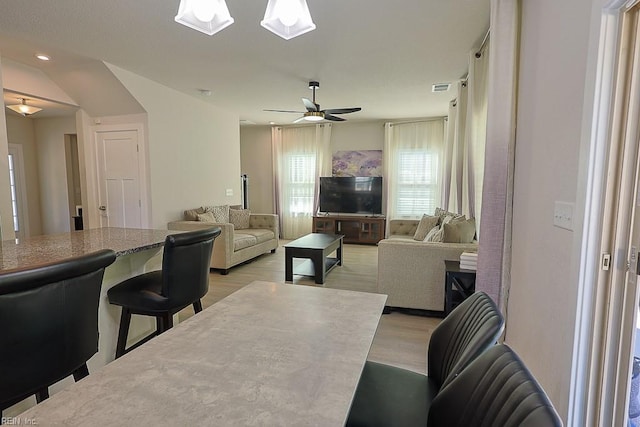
(401, 339)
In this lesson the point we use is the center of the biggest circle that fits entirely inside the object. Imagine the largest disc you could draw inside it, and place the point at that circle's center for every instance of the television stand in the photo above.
(355, 229)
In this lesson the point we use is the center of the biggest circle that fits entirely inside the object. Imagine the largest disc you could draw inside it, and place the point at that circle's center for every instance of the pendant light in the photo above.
(288, 18)
(206, 16)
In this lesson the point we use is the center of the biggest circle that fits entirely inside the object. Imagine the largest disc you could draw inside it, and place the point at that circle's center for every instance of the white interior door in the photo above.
(119, 198)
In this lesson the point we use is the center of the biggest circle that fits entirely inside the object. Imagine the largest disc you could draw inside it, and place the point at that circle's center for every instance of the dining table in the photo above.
(268, 354)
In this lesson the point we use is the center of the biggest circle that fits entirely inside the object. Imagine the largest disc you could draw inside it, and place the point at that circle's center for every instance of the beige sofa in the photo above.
(412, 273)
(234, 247)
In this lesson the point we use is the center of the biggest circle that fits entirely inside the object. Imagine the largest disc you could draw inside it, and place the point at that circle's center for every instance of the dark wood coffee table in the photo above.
(316, 247)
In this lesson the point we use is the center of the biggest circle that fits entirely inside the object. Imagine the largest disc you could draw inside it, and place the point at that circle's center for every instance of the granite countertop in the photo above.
(21, 253)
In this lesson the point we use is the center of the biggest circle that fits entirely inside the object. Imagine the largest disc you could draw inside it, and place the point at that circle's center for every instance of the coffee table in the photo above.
(316, 247)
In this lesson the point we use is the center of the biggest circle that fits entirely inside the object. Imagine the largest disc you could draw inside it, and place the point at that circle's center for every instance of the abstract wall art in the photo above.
(357, 163)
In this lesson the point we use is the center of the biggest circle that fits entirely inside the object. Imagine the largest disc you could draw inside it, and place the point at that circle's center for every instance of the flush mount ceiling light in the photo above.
(23, 108)
(207, 16)
(288, 18)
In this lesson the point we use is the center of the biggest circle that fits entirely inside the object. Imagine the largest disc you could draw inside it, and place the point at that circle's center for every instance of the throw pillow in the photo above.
(239, 218)
(206, 217)
(435, 235)
(459, 231)
(220, 212)
(192, 214)
(442, 214)
(424, 226)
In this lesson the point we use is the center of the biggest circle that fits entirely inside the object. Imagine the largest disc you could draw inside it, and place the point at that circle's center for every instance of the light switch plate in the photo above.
(563, 215)
(229, 192)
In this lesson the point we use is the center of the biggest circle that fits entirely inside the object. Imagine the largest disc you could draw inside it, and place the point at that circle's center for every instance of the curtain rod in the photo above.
(431, 119)
(484, 42)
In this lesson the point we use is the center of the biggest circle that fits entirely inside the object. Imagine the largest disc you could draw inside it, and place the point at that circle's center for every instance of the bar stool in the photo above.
(183, 280)
(48, 324)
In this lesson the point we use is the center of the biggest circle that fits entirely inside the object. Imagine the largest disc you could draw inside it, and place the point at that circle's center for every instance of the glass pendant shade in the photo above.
(207, 16)
(288, 18)
(23, 108)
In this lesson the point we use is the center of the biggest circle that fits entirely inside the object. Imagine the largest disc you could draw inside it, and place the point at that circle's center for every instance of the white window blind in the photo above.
(416, 189)
(300, 183)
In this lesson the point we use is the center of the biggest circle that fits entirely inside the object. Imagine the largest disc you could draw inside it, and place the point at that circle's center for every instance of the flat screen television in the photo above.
(360, 194)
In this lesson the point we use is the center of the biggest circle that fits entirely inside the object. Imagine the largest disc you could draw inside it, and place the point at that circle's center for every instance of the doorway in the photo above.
(73, 180)
(121, 189)
(613, 396)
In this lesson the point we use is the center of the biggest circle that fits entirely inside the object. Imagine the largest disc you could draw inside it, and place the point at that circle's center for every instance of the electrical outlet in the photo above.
(229, 192)
(563, 215)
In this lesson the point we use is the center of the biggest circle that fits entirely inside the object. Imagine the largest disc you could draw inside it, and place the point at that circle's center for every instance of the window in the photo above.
(300, 155)
(14, 193)
(417, 183)
(301, 183)
(413, 158)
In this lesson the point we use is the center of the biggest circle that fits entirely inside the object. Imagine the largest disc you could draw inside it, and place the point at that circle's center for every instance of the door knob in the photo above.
(103, 208)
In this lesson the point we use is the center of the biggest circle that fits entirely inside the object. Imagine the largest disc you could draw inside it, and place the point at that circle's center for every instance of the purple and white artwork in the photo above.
(357, 163)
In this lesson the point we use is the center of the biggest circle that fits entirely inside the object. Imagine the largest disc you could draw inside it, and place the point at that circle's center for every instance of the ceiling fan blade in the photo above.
(299, 119)
(286, 111)
(333, 118)
(310, 105)
(342, 110)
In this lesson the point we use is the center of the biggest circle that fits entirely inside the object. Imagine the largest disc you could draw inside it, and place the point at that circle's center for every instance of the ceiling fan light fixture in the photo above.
(23, 108)
(313, 116)
(288, 18)
(206, 16)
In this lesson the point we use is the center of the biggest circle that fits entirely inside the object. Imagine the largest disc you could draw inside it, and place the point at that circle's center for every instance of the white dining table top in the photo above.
(268, 354)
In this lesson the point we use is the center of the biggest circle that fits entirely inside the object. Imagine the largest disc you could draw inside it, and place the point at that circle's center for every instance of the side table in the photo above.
(459, 284)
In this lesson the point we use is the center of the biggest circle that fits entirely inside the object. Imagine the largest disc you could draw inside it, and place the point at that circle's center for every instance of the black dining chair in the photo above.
(392, 396)
(182, 281)
(48, 324)
(496, 390)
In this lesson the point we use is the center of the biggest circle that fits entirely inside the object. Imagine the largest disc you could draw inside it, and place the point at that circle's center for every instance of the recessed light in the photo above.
(42, 57)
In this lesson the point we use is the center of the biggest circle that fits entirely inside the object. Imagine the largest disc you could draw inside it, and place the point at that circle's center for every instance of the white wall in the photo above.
(551, 103)
(54, 200)
(194, 149)
(29, 80)
(21, 130)
(357, 136)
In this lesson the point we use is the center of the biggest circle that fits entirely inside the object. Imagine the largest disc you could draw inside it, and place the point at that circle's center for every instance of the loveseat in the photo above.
(258, 235)
(412, 273)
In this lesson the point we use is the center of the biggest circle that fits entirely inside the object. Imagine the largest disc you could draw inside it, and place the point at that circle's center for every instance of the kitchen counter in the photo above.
(137, 250)
(21, 253)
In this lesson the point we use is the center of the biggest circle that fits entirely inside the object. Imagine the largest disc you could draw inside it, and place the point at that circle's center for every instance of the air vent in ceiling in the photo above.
(440, 87)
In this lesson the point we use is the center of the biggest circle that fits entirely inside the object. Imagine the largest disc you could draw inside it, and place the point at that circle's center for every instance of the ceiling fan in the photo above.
(314, 113)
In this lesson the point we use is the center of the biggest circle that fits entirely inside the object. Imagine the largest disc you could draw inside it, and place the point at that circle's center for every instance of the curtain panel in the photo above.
(463, 168)
(494, 252)
(300, 156)
(413, 156)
